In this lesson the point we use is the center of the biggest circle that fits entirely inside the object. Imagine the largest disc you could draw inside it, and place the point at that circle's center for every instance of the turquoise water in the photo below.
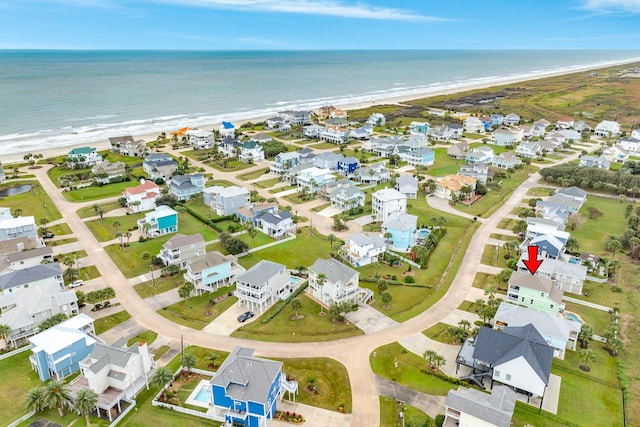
(295, 281)
(59, 98)
(203, 395)
(573, 317)
(574, 260)
(423, 233)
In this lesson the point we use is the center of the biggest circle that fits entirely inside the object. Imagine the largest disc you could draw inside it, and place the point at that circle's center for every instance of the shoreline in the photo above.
(18, 157)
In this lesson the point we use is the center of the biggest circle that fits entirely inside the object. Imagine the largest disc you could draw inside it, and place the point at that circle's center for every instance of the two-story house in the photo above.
(386, 202)
(595, 162)
(57, 351)
(419, 128)
(503, 137)
(473, 125)
(458, 151)
(451, 186)
(478, 171)
(180, 249)
(127, 146)
(400, 229)
(105, 171)
(200, 139)
(211, 270)
(364, 248)
(481, 154)
(284, 161)
(185, 186)
(567, 276)
(159, 165)
(529, 149)
(162, 220)
(227, 130)
(84, 156)
(374, 174)
(535, 292)
(346, 196)
(607, 129)
(314, 178)
(225, 200)
(468, 407)
(262, 285)
(332, 282)
(142, 197)
(421, 157)
(511, 119)
(348, 165)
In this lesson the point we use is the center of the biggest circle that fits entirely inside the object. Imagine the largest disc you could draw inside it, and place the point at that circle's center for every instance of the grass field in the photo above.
(390, 414)
(146, 336)
(312, 327)
(89, 211)
(438, 332)
(267, 183)
(197, 312)
(104, 230)
(443, 165)
(95, 192)
(162, 284)
(253, 175)
(35, 202)
(592, 232)
(130, 261)
(105, 323)
(16, 380)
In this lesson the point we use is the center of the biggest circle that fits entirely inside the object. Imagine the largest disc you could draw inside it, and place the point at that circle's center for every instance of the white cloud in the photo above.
(629, 6)
(312, 7)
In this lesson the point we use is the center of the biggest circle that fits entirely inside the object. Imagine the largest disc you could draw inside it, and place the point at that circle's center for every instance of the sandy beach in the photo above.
(102, 145)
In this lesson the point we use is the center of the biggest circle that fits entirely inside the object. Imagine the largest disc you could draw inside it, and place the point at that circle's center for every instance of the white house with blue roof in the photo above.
(401, 230)
(245, 390)
(227, 130)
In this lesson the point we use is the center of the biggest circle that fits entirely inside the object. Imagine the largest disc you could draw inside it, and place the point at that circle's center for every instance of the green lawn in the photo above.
(303, 250)
(220, 182)
(390, 414)
(69, 418)
(197, 312)
(592, 232)
(89, 272)
(97, 192)
(16, 380)
(324, 146)
(106, 323)
(492, 255)
(409, 371)
(438, 332)
(56, 173)
(486, 280)
(600, 293)
(267, 183)
(130, 261)
(162, 284)
(160, 351)
(89, 211)
(188, 224)
(259, 240)
(281, 328)
(253, 175)
(61, 229)
(443, 164)
(132, 161)
(32, 202)
(599, 320)
(103, 229)
(232, 165)
(331, 381)
(145, 336)
(321, 207)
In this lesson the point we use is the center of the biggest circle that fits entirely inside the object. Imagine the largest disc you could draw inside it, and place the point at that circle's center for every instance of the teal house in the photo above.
(162, 220)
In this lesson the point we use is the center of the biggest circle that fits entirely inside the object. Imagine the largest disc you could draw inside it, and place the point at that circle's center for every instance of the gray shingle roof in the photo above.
(180, 240)
(28, 275)
(495, 408)
(245, 377)
(495, 348)
(210, 259)
(333, 270)
(276, 218)
(572, 192)
(260, 273)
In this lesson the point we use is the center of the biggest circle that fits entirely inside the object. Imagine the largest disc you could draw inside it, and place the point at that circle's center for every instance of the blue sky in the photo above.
(319, 24)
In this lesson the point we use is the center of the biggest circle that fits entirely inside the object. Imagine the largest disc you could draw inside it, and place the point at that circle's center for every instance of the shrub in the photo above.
(439, 420)
(409, 279)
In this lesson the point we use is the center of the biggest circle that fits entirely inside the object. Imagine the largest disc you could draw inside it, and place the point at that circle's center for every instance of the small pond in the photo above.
(17, 189)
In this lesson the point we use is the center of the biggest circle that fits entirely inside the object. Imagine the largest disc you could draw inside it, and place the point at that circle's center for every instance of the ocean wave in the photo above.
(98, 117)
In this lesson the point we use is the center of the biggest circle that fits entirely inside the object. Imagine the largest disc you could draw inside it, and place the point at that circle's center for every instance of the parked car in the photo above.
(48, 235)
(245, 316)
(76, 283)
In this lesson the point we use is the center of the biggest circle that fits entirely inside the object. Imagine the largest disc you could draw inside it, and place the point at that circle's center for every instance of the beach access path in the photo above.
(352, 352)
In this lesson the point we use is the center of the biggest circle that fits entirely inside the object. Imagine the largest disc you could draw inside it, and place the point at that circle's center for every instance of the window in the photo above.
(496, 373)
(508, 377)
(542, 294)
(531, 302)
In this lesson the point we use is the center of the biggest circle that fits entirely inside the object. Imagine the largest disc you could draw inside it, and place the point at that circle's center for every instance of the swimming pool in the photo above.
(203, 394)
(571, 316)
(574, 260)
(295, 281)
(423, 233)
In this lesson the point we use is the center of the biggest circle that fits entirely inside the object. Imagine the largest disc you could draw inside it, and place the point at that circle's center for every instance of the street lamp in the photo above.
(402, 413)
(153, 280)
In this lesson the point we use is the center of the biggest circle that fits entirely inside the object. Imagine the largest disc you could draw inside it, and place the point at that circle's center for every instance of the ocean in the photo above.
(52, 99)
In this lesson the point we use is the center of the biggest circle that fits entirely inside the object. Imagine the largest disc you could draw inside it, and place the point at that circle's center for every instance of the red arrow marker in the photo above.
(533, 262)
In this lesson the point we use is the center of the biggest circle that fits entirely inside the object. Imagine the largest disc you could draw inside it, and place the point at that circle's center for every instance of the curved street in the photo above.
(353, 352)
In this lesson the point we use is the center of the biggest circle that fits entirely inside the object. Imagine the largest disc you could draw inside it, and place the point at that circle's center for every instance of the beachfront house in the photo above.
(468, 407)
(23, 311)
(105, 171)
(332, 282)
(186, 186)
(297, 117)
(452, 187)
(142, 197)
(16, 228)
(607, 129)
(364, 248)
(312, 131)
(211, 270)
(127, 146)
(407, 185)
(400, 229)
(227, 130)
(386, 202)
(162, 220)
(262, 285)
(517, 356)
(159, 165)
(558, 332)
(225, 200)
(535, 292)
(277, 225)
(200, 139)
(245, 390)
(57, 352)
(595, 162)
(230, 147)
(115, 373)
(506, 160)
(83, 157)
(180, 249)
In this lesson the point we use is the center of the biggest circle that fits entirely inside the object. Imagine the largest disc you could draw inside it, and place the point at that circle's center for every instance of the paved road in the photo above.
(353, 352)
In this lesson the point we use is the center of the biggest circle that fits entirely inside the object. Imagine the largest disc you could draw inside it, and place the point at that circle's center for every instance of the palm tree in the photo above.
(116, 224)
(251, 231)
(128, 236)
(34, 399)
(56, 395)
(386, 298)
(188, 362)
(5, 330)
(331, 238)
(85, 402)
(162, 376)
(587, 356)
(434, 360)
(321, 280)
(17, 212)
(296, 304)
(212, 359)
(585, 335)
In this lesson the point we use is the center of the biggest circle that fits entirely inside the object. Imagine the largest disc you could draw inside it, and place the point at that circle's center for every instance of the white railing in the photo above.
(132, 404)
(16, 351)
(22, 418)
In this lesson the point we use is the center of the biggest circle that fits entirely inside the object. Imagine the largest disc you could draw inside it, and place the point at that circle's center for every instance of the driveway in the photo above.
(370, 320)
(419, 343)
(427, 403)
(227, 322)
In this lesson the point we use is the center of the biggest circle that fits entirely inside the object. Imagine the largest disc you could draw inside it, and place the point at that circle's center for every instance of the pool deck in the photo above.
(191, 400)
